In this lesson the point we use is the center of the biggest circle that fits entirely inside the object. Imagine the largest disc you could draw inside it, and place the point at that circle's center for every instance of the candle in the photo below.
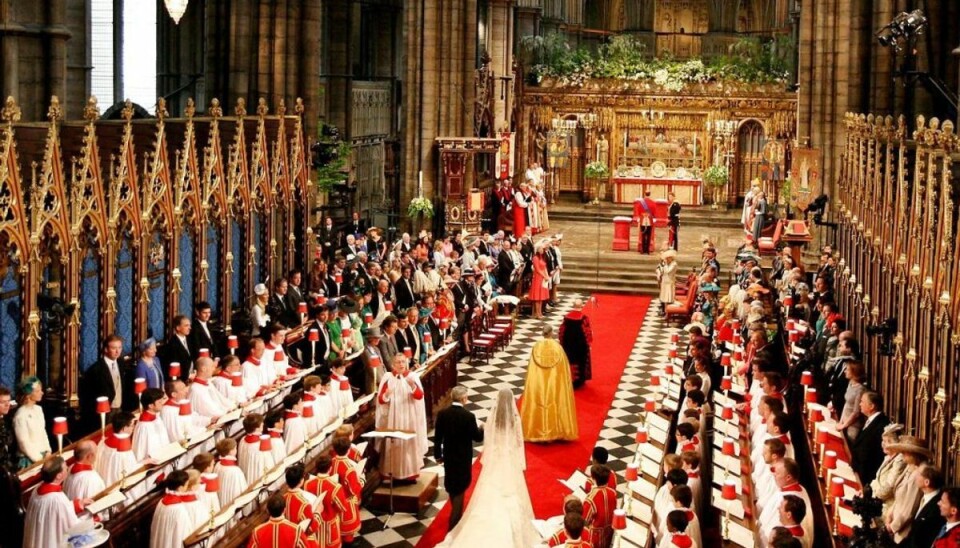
(816, 415)
(806, 378)
(368, 318)
(314, 335)
(338, 278)
(672, 353)
(738, 355)
(264, 443)
(375, 361)
(632, 473)
(675, 338)
(794, 337)
(619, 519)
(790, 325)
(725, 360)
(302, 307)
(139, 385)
(388, 305)
(407, 352)
(830, 460)
(185, 408)
(655, 380)
(103, 405)
(204, 352)
(726, 383)
(211, 483)
(278, 356)
(236, 378)
(649, 405)
(811, 395)
(232, 342)
(60, 426)
(836, 487)
(427, 337)
(174, 370)
(346, 332)
(736, 325)
(668, 369)
(308, 411)
(822, 436)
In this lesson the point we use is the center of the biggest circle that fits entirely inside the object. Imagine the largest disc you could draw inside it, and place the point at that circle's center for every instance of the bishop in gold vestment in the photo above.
(548, 411)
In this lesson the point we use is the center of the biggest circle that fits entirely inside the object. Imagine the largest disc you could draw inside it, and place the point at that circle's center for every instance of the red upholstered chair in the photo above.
(682, 310)
(768, 246)
(683, 286)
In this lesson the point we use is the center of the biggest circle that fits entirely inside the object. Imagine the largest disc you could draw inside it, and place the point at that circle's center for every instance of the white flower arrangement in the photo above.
(420, 206)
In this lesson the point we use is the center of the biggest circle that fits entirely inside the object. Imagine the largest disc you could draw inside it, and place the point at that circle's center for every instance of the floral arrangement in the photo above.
(420, 206)
(749, 61)
(596, 170)
(716, 175)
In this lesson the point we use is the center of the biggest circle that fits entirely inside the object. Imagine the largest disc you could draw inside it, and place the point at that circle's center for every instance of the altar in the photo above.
(689, 192)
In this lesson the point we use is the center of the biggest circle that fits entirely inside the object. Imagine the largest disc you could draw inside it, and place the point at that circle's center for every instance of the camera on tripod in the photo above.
(885, 330)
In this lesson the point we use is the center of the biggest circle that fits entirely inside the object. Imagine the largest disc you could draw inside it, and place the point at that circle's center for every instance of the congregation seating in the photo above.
(682, 310)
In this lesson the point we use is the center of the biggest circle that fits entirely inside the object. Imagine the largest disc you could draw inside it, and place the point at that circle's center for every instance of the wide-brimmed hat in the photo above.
(373, 333)
(347, 304)
(703, 328)
(471, 241)
(375, 232)
(449, 280)
(669, 254)
(260, 289)
(911, 444)
(467, 272)
(709, 287)
(351, 259)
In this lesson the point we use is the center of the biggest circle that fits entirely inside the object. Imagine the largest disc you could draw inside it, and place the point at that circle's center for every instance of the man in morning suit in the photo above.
(456, 430)
(927, 521)
(179, 348)
(866, 452)
(201, 332)
(320, 315)
(949, 534)
(103, 378)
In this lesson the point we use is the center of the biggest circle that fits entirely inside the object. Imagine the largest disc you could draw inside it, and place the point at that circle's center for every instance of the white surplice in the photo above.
(172, 523)
(340, 391)
(149, 435)
(83, 482)
(49, 515)
(270, 357)
(770, 509)
(236, 395)
(294, 431)
(277, 446)
(232, 480)
(252, 460)
(400, 407)
(255, 376)
(180, 427)
(206, 401)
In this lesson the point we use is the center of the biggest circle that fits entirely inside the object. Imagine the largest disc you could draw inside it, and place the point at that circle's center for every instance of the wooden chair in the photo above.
(768, 246)
(683, 310)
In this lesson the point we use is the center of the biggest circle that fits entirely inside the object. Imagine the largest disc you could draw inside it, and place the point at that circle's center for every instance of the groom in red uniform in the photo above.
(279, 532)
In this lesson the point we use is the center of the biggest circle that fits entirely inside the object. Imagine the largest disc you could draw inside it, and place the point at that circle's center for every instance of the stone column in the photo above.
(500, 42)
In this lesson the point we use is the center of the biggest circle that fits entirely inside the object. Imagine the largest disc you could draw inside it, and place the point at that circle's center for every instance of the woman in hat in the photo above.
(709, 305)
(376, 246)
(891, 471)
(148, 366)
(907, 495)
(29, 424)
(667, 276)
(258, 313)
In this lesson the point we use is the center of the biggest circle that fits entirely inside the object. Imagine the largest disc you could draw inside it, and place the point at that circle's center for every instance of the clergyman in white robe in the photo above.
(83, 482)
(49, 515)
(400, 407)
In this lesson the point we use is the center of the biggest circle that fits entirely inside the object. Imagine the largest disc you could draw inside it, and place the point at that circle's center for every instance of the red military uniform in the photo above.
(560, 539)
(279, 533)
(332, 505)
(598, 514)
(299, 510)
(611, 483)
(353, 453)
(342, 468)
(950, 540)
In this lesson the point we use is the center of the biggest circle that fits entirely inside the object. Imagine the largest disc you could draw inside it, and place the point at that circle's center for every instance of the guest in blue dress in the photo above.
(148, 366)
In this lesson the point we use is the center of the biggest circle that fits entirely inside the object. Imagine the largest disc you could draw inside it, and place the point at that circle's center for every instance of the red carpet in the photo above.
(616, 320)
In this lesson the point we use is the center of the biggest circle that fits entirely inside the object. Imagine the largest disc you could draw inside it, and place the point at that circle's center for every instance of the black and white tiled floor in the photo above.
(507, 369)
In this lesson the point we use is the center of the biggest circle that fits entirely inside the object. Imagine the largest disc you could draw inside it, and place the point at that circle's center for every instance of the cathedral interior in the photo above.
(156, 154)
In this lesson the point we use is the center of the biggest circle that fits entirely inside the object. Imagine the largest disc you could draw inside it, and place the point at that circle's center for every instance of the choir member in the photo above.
(571, 505)
(278, 532)
(50, 513)
(348, 478)
(150, 433)
(273, 426)
(792, 511)
(600, 455)
(232, 480)
(691, 465)
(29, 424)
(206, 400)
(258, 377)
(674, 475)
(676, 534)
(316, 396)
(250, 456)
(331, 505)
(83, 482)
(340, 390)
(274, 355)
(774, 451)
(208, 496)
(229, 383)
(346, 431)
(172, 521)
(294, 425)
(116, 458)
(787, 475)
(683, 501)
(777, 427)
(400, 407)
(598, 507)
(573, 531)
(300, 504)
(177, 415)
(687, 439)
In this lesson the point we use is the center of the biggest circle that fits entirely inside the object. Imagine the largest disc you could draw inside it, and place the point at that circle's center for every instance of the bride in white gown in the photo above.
(499, 512)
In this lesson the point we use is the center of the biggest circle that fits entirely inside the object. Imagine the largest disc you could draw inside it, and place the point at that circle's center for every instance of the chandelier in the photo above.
(176, 8)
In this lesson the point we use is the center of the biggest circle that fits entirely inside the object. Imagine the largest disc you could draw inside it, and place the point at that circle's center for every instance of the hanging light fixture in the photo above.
(176, 8)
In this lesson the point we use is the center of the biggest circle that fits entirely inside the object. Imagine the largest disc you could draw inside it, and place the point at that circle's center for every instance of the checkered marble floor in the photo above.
(507, 369)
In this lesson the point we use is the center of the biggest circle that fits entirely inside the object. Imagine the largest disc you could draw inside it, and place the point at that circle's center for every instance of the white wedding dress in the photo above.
(499, 513)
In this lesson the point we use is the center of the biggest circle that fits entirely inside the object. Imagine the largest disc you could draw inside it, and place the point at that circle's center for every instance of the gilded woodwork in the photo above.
(896, 240)
(124, 184)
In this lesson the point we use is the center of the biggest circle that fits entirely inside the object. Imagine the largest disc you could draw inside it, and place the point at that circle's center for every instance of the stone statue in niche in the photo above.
(603, 150)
